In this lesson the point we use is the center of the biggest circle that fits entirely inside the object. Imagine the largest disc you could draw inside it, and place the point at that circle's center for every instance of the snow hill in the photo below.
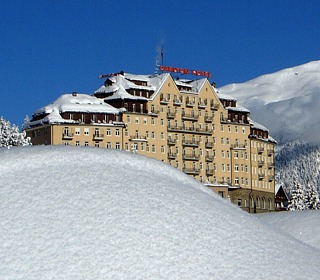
(89, 213)
(286, 102)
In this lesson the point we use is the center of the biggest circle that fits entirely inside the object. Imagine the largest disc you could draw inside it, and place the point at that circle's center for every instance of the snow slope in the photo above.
(303, 225)
(286, 102)
(89, 213)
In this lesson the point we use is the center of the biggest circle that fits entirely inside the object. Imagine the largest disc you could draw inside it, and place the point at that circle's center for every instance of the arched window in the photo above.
(258, 202)
(263, 203)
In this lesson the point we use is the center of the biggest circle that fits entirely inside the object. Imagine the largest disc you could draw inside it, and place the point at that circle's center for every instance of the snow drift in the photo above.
(88, 213)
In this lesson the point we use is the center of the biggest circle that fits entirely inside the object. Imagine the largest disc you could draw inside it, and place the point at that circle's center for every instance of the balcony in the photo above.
(67, 136)
(202, 105)
(138, 138)
(270, 153)
(177, 102)
(260, 176)
(214, 106)
(260, 163)
(171, 114)
(209, 158)
(98, 137)
(154, 112)
(190, 143)
(190, 157)
(191, 171)
(172, 155)
(172, 141)
(260, 150)
(191, 129)
(270, 178)
(190, 103)
(238, 146)
(270, 165)
(164, 100)
(210, 172)
(208, 119)
(209, 144)
(191, 117)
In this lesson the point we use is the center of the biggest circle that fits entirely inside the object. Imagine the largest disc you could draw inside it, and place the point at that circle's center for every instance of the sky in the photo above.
(53, 47)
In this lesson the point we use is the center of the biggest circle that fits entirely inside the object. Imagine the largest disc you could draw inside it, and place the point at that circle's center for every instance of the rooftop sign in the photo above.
(185, 71)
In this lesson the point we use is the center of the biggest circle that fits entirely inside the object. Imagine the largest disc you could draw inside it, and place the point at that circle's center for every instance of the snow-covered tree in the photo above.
(312, 198)
(297, 201)
(11, 136)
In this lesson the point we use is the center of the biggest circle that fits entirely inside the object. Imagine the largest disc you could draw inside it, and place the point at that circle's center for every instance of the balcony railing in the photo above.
(98, 137)
(214, 106)
(209, 158)
(270, 153)
(208, 118)
(189, 129)
(238, 146)
(210, 172)
(177, 102)
(209, 144)
(270, 165)
(138, 138)
(260, 176)
(171, 114)
(67, 136)
(202, 105)
(270, 178)
(172, 155)
(172, 141)
(190, 143)
(192, 171)
(260, 150)
(190, 157)
(192, 117)
(154, 112)
(190, 103)
(260, 163)
(164, 100)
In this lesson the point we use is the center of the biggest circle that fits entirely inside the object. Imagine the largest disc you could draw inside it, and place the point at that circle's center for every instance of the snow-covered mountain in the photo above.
(90, 213)
(287, 102)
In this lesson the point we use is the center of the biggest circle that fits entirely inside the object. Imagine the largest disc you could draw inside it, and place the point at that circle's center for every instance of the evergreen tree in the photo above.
(10, 135)
(313, 201)
(297, 201)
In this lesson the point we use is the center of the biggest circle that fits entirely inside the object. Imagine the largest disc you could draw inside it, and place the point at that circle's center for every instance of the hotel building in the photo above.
(185, 123)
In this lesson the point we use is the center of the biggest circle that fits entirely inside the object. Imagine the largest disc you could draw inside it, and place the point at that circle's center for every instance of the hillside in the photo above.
(88, 213)
(287, 102)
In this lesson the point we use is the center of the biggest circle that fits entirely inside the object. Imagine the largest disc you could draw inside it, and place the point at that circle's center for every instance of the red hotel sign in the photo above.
(185, 71)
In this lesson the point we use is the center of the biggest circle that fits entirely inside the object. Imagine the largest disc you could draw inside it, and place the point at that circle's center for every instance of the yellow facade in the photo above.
(193, 131)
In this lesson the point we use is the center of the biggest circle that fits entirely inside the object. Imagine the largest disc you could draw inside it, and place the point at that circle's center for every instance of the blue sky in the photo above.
(53, 47)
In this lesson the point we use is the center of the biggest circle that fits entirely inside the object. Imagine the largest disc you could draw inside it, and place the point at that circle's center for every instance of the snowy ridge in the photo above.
(89, 213)
(287, 102)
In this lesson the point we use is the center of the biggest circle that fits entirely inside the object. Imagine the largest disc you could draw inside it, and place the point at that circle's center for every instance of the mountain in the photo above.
(287, 102)
(90, 213)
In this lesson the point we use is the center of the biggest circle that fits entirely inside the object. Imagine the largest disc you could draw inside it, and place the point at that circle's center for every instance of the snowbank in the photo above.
(89, 213)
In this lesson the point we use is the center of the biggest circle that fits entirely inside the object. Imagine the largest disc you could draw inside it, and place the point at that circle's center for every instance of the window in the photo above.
(77, 143)
(126, 133)
(142, 146)
(109, 145)
(145, 121)
(117, 145)
(86, 144)
(147, 134)
(239, 202)
(153, 122)
(223, 167)
(108, 131)
(77, 130)
(137, 120)
(153, 148)
(127, 147)
(86, 131)
(162, 122)
(162, 136)
(163, 150)
(153, 135)
(221, 193)
(236, 129)
(147, 148)
(228, 167)
(229, 128)
(236, 180)
(117, 132)
(236, 154)
(236, 168)
(227, 141)
(222, 128)
(96, 144)
(128, 119)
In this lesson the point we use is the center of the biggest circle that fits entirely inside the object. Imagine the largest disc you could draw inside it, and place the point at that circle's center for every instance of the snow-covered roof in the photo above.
(75, 102)
(256, 125)
(122, 94)
(225, 96)
(239, 109)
